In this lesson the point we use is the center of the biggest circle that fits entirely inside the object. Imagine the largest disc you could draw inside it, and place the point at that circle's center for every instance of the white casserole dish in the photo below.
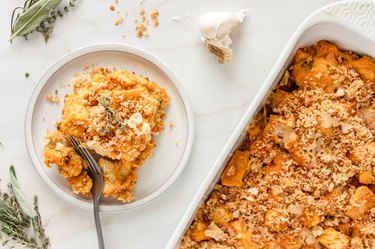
(349, 24)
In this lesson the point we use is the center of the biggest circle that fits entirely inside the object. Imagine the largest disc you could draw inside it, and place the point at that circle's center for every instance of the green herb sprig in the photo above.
(17, 218)
(46, 27)
(110, 115)
(38, 15)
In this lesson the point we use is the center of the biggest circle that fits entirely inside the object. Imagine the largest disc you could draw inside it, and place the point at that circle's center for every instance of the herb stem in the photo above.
(12, 19)
(110, 115)
(16, 219)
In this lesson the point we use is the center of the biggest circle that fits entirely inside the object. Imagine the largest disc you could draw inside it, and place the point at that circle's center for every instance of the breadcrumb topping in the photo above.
(308, 179)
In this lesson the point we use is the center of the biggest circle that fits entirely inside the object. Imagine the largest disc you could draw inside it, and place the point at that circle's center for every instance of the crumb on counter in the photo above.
(141, 29)
(154, 15)
(140, 18)
(142, 11)
(118, 21)
(27, 75)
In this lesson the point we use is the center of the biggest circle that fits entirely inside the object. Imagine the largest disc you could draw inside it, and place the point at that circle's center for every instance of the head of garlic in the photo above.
(215, 27)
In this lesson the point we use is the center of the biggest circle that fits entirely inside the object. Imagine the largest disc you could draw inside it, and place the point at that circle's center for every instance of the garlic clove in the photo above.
(215, 28)
(223, 53)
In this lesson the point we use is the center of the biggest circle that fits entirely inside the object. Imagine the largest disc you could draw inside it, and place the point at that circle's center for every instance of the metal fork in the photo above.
(97, 184)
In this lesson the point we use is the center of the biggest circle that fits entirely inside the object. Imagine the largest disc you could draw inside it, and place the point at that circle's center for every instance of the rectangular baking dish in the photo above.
(349, 24)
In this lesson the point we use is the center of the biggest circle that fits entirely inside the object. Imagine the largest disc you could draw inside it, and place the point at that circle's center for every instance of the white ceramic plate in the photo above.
(173, 144)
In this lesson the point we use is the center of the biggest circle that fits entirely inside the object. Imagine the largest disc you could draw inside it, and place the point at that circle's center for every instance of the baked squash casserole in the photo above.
(305, 175)
(115, 114)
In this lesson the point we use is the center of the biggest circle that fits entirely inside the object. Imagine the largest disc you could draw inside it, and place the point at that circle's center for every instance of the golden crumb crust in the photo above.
(304, 176)
(115, 114)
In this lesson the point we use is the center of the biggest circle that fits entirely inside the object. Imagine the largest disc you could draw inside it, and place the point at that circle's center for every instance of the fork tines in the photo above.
(92, 166)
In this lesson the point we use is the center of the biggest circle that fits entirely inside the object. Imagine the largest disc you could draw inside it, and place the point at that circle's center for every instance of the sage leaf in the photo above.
(32, 17)
(19, 196)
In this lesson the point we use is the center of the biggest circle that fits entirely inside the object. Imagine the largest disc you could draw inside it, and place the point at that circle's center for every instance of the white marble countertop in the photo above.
(219, 95)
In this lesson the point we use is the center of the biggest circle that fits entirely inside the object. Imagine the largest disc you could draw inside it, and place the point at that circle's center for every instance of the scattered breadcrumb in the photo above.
(156, 22)
(140, 19)
(118, 21)
(154, 15)
(53, 99)
(172, 125)
(141, 28)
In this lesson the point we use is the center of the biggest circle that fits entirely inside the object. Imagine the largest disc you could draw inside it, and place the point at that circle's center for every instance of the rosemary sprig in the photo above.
(37, 15)
(110, 115)
(17, 220)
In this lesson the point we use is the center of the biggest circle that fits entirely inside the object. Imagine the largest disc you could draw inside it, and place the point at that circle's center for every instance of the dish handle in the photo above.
(355, 14)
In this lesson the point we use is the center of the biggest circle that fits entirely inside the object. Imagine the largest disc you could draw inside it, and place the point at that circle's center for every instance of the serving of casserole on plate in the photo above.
(115, 114)
(126, 107)
(300, 169)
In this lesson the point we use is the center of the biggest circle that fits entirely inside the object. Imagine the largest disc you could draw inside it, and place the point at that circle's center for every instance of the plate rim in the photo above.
(102, 47)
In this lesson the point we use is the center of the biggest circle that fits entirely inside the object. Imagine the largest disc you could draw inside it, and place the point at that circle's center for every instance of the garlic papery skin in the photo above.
(215, 28)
